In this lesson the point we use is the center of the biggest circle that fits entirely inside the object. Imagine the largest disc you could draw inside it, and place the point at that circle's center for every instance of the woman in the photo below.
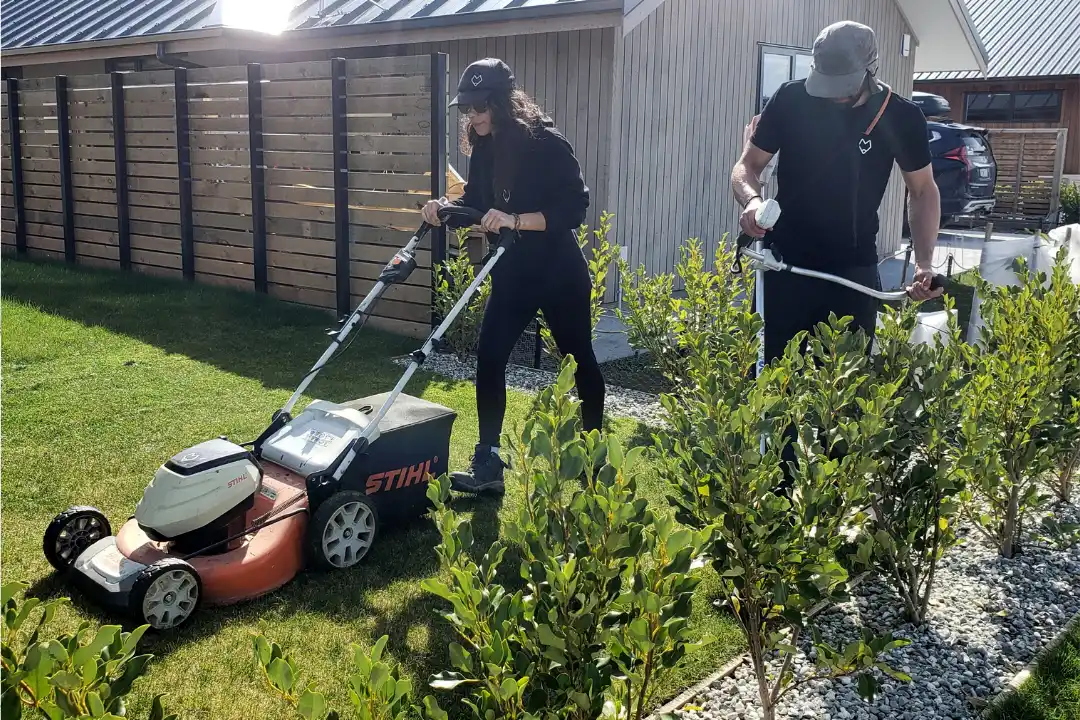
(524, 176)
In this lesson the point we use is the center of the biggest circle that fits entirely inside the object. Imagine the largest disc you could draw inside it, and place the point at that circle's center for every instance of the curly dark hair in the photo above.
(515, 112)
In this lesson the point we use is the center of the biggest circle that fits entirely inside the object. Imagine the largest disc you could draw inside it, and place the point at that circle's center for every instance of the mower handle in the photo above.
(462, 216)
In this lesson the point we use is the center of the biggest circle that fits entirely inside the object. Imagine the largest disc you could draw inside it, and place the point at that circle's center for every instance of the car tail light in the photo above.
(960, 154)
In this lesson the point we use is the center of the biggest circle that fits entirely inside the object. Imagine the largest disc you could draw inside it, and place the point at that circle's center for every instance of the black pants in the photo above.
(559, 286)
(794, 303)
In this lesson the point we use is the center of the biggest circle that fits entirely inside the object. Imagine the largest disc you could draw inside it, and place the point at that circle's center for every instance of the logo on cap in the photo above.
(476, 80)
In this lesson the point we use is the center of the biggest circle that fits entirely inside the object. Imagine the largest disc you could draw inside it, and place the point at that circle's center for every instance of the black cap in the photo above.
(481, 79)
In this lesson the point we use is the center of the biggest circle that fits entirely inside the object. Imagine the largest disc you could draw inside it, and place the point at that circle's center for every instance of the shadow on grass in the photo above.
(244, 333)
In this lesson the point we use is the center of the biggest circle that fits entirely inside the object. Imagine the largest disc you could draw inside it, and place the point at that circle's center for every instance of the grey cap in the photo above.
(843, 53)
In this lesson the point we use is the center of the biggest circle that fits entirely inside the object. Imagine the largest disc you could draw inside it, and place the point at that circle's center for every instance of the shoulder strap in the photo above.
(880, 112)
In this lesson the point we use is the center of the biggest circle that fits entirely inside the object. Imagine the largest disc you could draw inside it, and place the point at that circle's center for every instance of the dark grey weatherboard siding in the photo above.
(686, 80)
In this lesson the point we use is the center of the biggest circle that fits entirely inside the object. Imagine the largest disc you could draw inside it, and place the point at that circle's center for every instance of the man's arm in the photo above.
(924, 216)
(746, 180)
(924, 213)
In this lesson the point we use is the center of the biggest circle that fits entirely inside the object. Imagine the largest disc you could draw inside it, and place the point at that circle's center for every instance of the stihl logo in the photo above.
(402, 477)
(237, 480)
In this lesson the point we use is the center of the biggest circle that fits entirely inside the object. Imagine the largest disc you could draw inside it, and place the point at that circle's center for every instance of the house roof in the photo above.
(32, 23)
(1024, 38)
(38, 23)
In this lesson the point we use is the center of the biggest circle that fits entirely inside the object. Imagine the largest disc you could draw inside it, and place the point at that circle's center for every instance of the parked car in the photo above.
(964, 167)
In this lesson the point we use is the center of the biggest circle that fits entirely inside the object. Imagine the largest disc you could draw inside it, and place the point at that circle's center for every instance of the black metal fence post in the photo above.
(123, 217)
(183, 167)
(16, 165)
(67, 201)
(343, 252)
(258, 176)
(438, 163)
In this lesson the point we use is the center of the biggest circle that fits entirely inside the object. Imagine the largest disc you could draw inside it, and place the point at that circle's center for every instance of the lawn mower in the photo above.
(223, 522)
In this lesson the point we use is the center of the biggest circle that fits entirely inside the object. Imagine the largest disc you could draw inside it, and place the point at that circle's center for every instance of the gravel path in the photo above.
(988, 618)
(618, 401)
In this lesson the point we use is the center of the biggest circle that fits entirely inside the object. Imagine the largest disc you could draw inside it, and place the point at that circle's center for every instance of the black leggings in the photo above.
(562, 294)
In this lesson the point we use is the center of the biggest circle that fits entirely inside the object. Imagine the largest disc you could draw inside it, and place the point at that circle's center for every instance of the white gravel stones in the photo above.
(988, 618)
(618, 401)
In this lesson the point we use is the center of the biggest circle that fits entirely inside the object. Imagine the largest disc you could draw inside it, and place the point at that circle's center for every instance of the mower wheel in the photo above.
(342, 530)
(166, 594)
(71, 532)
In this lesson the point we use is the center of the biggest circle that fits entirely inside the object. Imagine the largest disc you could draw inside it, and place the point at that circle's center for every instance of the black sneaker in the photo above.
(485, 473)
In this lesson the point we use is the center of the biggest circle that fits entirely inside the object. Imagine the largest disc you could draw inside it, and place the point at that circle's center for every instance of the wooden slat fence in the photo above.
(1029, 165)
(295, 179)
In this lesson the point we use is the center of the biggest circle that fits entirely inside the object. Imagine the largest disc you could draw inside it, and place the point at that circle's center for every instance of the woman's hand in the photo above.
(430, 211)
(495, 220)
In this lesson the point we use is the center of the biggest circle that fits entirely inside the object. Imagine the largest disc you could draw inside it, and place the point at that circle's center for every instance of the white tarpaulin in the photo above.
(998, 257)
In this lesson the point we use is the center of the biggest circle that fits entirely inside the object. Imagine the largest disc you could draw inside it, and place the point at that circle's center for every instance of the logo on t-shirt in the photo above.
(864, 145)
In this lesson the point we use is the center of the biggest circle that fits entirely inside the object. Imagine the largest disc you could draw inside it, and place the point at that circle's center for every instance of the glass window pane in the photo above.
(775, 71)
(1036, 106)
(802, 66)
(988, 107)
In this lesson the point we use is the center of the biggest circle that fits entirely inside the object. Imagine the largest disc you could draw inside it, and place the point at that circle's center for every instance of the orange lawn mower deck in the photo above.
(222, 522)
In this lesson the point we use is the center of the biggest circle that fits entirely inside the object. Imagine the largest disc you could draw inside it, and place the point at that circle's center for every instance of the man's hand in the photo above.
(748, 219)
(919, 289)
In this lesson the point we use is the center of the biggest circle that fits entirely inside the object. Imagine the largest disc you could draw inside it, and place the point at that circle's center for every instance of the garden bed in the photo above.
(988, 618)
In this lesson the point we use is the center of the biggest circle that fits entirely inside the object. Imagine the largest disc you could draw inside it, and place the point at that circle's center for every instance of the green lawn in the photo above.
(1053, 690)
(105, 376)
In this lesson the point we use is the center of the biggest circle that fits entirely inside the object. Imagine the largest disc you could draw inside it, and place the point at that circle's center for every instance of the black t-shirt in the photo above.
(830, 176)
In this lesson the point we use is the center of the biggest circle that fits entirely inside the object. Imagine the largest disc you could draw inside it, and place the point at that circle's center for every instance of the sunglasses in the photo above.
(477, 108)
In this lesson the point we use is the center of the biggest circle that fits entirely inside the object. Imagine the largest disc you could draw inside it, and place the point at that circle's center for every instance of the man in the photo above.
(840, 130)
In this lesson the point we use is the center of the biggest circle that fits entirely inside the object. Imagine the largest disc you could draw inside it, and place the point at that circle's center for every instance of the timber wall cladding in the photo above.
(269, 134)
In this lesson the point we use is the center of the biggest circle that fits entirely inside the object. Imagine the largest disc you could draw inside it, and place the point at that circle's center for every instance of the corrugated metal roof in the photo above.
(32, 23)
(1024, 38)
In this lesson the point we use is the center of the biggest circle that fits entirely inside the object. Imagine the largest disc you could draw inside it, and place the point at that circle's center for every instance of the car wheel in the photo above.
(71, 532)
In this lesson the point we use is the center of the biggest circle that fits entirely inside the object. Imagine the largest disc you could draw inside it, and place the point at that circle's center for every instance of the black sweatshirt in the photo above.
(546, 178)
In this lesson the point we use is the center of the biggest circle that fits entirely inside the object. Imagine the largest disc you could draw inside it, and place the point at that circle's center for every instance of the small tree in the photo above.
(608, 583)
(715, 311)
(88, 673)
(776, 553)
(451, 279)
(1014, 422)
(914, 490)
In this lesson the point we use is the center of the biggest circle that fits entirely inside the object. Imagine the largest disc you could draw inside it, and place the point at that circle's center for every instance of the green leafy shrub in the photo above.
(603, 256)
(607, 581)
(775, 552)
(1070, 202)
(718, 305)
(1016, 419)
(86, 674)
(376, 689)
(451, 279)
(915, 487)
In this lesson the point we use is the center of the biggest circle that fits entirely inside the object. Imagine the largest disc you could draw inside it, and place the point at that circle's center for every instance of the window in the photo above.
(1003, 107)
(778, 66)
